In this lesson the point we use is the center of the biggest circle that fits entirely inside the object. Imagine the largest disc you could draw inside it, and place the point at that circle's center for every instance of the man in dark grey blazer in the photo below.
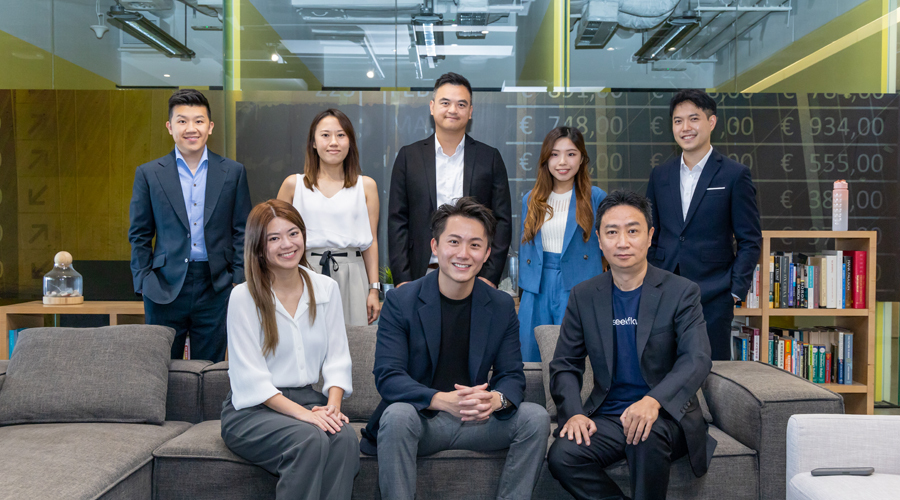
(195, 203)
(644, 331)
(439, 170)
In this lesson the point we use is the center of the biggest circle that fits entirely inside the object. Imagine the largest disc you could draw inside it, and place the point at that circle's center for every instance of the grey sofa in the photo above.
(185, 458)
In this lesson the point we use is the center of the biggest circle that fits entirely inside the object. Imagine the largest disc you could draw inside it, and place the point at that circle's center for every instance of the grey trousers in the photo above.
(404, 434)
(310, 463)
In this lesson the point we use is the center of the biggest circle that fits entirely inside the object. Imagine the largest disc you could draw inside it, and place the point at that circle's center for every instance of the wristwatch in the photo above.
(375, 286)
(504, 403)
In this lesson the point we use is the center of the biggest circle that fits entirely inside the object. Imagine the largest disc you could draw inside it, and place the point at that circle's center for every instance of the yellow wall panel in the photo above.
(38, 195)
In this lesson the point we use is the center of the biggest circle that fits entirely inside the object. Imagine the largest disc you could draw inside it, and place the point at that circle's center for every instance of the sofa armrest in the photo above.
(815, 441)
(216, 385)
(752, 403)
(183, 396)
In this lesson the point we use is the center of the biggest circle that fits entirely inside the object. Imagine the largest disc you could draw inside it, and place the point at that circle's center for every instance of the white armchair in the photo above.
(815, 441)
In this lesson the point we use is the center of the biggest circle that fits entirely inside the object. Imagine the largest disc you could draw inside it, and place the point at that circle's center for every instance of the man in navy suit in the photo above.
(438, 339)
(705, 218)
(195, 203)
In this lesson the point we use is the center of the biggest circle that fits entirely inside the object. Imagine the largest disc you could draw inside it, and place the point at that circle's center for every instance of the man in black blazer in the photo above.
(438, 170)
(195, 203)
(439, 338)
(643, 330)
(705, 217)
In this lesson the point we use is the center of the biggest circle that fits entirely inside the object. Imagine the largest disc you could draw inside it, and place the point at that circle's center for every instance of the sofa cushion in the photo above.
(109, 374)
(183, 400)
(361, 404)
(81, 460)
(804, 486)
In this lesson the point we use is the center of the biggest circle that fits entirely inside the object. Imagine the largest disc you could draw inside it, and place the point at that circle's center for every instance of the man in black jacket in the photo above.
(644, 331)
(437, 171)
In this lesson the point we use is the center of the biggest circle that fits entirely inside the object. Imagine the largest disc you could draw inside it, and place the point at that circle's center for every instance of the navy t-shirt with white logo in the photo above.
(628, 385)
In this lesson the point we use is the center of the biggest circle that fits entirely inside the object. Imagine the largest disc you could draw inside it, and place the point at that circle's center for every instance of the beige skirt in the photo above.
(346, 266)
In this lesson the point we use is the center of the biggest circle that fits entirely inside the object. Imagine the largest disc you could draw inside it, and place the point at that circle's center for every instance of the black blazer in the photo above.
(157, 209)
(413, 200)
(723, 211)
(409, 342)
(672, 346)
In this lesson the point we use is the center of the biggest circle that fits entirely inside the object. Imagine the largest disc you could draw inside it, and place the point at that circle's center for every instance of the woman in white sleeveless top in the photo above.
(340, 207)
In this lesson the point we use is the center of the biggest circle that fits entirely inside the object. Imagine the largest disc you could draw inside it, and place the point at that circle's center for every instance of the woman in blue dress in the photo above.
(559, 247)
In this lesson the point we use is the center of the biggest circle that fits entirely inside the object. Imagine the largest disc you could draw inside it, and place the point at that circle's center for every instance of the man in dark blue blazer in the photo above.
(705, 218)
(643, 330)
(438, 339)
(195, 203)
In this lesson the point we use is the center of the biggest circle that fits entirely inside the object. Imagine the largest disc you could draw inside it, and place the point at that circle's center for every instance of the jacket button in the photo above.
(681, 238)
(585, 257)
(528, 261)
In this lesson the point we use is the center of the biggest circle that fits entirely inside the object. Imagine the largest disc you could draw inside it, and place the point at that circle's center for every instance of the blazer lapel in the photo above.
(571, 223)
(430, 163)
(647, 308)
(430, 317)
(167, 175)
(709, 171)
(603, 306)
(469, 169)
(215, 179)
(480, 328)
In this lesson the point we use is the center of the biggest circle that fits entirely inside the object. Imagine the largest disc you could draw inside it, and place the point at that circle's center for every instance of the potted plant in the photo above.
(387, 279)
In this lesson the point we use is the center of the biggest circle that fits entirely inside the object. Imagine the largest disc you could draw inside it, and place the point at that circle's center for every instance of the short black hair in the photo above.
(452, 79)
(624, 197)
(467, 207)
(189, 97)
(698, 97)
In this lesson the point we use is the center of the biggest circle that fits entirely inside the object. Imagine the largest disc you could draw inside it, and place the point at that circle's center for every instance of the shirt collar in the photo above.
(700, 164)
(440, 150)
(203, 159)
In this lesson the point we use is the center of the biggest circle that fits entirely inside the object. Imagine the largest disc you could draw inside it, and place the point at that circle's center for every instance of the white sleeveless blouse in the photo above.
(341, 221)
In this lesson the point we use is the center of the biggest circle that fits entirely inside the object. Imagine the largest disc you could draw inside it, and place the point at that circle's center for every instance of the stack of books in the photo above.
(822, 354)
(833, 279)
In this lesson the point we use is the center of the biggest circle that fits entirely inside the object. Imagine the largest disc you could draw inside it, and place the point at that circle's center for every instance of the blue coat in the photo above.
(409, 342)
(580, 259)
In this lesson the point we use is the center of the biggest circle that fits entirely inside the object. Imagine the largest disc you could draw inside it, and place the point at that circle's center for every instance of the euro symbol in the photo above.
(654, 125)
(523, 162)
(785, 161)
(786, 126)
(786, 199)
(524, 125)
(654, 160)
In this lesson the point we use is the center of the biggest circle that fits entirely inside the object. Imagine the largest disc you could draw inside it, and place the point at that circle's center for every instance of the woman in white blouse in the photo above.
(340, 207)
(285, 324)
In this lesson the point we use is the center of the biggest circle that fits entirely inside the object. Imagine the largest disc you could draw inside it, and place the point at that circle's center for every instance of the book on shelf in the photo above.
(834, 279)
(771, 280)
(821, 354)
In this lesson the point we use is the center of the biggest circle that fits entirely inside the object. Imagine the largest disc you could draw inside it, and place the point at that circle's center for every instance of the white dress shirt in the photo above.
(689, 178)
(302, 351)
(448, 175)
(553, 231)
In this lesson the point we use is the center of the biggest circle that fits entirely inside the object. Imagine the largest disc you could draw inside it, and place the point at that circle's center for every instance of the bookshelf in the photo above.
(859, 397)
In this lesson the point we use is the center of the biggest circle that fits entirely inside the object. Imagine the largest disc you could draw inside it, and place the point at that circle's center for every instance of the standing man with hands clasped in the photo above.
(438, 339)
(438, 170)
(644, 332)
(195, 203)
(705, 218)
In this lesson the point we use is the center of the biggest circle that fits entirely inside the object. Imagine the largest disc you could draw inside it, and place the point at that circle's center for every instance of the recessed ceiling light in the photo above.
(167, 75)
(370, 74)
(485, 32)
(275, 57)
(671, 49)
(610, 48)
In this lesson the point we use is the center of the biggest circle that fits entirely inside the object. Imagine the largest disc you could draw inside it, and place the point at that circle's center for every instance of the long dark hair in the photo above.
(256, 267)
(538, 207)
(352, 170)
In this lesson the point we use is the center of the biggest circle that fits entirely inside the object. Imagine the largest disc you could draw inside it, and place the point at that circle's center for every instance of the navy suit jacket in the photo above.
(672, 346)
(722, 211)
(157, 209)
(409, 342)
(579, 259)
(413, 200)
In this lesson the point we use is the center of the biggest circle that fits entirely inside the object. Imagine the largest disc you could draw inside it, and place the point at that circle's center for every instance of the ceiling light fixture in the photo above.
(666, 39)
(370, 74)
(144, 30)
(167, 75)
(275, 57)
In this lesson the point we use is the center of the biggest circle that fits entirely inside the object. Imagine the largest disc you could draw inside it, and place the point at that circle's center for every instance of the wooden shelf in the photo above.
(859, 397)
(854, 388)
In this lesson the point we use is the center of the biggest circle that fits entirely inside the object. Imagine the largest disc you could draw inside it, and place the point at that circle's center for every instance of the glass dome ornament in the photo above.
(63, 284)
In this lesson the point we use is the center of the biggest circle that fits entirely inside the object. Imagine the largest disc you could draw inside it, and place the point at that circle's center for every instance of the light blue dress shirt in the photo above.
(193, 187)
